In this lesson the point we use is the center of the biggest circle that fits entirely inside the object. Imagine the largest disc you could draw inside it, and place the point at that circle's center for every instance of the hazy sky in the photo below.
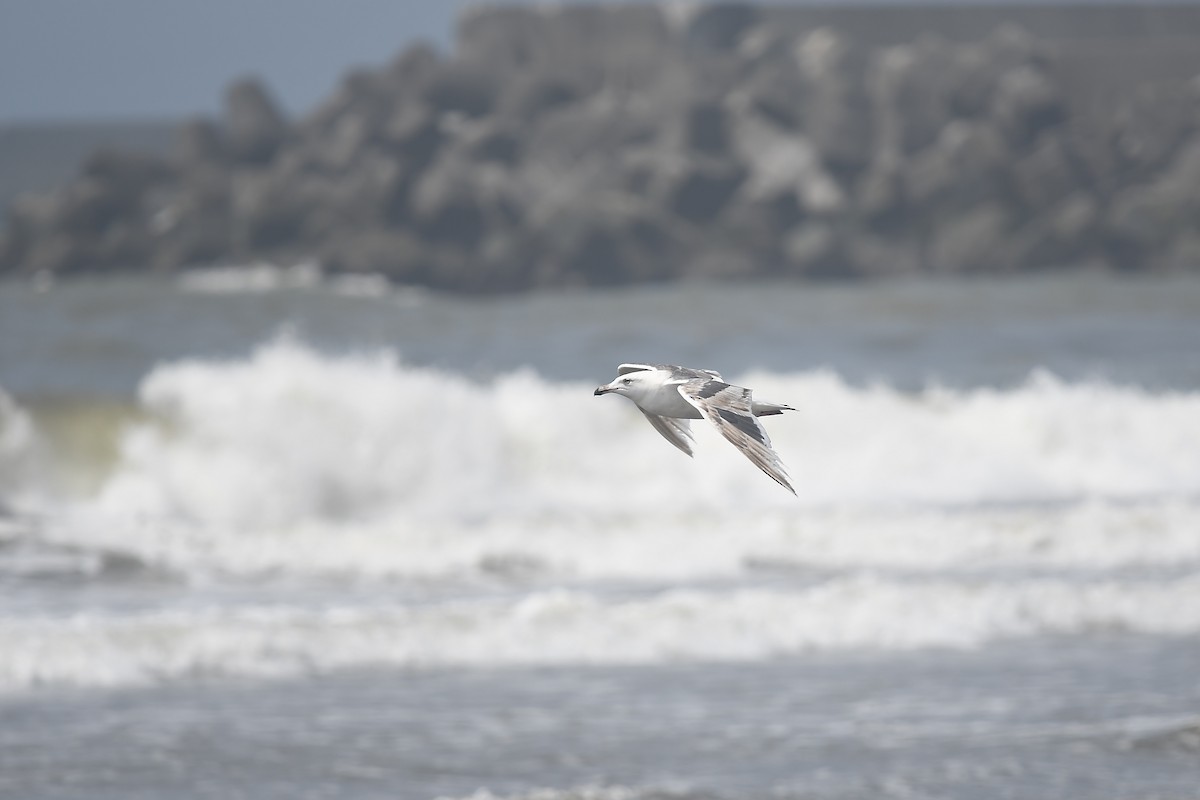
(73, 59)
(70, 59)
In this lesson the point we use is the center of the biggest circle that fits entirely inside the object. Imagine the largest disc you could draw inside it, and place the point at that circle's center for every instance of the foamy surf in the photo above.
(519, 521)
(264, 277)
(559, 627)
(291, 460)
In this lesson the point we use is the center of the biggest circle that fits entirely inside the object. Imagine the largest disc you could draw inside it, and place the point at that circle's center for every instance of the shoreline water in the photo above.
(1010, 721)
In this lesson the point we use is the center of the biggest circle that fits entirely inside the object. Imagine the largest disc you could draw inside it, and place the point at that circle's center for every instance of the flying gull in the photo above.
(669, 396)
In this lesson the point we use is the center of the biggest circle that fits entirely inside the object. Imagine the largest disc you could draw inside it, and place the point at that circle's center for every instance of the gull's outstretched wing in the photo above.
(625, 369)
(730, 409)
(683, 374)
(675, 431)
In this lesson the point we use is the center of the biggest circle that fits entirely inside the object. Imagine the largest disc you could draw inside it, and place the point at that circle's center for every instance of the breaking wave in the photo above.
(294, 460)
(524, 521)
(576, 627)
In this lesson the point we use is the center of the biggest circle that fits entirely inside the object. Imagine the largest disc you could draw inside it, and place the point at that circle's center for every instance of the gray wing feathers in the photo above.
(675, 431)
(730, 409)
(625, 369)
(677, 373)
(682, 374)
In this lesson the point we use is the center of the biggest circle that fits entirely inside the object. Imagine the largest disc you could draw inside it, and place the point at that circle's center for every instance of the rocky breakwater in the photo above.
(613, 145)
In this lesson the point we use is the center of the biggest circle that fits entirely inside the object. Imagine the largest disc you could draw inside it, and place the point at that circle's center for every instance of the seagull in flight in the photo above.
(669, 396)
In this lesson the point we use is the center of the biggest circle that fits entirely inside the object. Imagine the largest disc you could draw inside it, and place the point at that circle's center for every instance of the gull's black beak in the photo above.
(600, 390)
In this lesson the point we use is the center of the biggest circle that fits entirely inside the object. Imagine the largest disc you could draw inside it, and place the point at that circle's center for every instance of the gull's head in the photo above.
(631, 384)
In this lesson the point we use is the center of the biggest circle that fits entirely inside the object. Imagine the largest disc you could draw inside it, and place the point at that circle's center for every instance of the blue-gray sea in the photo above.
(267, 534)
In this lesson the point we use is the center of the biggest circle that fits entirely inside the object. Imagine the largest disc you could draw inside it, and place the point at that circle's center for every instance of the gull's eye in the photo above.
(627, 381)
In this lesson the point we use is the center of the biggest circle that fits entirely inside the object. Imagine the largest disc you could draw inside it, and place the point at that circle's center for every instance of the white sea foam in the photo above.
(21, 452)
(562, 627)
(259, 277)
(302, 462)
(585, 792)
(931, 519)
(266, 277)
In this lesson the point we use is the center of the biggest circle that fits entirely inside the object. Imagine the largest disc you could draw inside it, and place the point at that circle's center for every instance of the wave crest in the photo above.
(295, 459)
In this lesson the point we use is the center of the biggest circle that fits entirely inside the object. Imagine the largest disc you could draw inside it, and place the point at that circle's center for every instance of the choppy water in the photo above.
(266, 535)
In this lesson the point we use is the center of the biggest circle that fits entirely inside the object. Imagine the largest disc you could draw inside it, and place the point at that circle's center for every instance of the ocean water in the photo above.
(265, 534)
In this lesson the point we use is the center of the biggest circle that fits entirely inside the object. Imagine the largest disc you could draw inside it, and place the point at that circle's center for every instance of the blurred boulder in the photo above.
(1026, 103)
(720, 26)
(616, 143)
(466, 88)
(837, 114)
(966, 165)
(1143, 220)
(911, 91)
(457, 203)
(198, 141)
(698, 190)
(970, 241)
(781, 164)
(1045, 175)
(1184, 253)
(393, 253)
(880, 195)
(706, 129)
(1148, 128)
(811, 249)
(415, 134)
(254, 127)
(619, 241)
(868, 255)
(194, 224)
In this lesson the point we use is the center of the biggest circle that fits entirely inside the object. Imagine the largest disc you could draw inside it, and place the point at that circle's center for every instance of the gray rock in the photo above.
(867, 255)
(1144, 219)
(532, 95)
(721, 26)
(612, 144)
(971, 241)
(415, 134)
(773, 87)
(838, 114)
(811, 250)
(706, 129)
(611, 42)
(698, 190)
(880, 196)
(368, 98)
(1148, 128)
(411, 67)
(456, 204)
(470, 89)
(254, 127)
(620, 242)
(1045, 175)
(1184, 253)
(911, 89)
(1026, 103)
(1074, 219)
(198, 141)
(393, 253)
(980, 68)
(782, 164)
(966, 166)
(724, 262)
(195, 225)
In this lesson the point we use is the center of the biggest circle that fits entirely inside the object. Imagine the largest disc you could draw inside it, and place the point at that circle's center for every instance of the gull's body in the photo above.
(669, 396)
